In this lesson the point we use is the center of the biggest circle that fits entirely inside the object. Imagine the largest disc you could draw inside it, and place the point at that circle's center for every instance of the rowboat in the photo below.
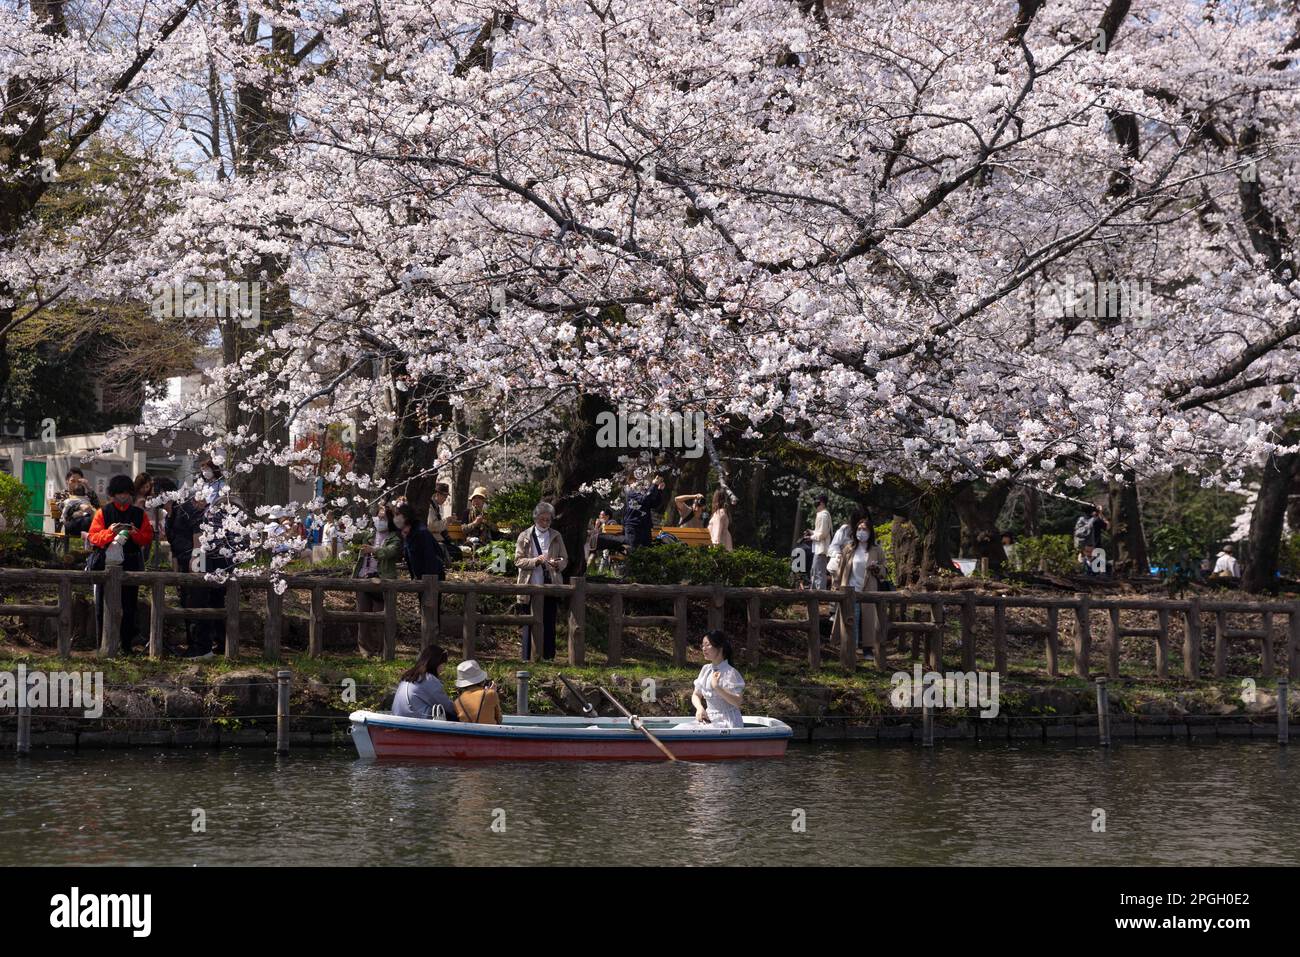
(536, 738)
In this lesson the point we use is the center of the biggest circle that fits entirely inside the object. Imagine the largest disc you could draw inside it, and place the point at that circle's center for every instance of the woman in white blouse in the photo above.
(862, 564)
(719, 689)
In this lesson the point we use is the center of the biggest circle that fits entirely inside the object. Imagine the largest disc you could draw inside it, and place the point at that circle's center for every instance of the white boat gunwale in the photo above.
(578, 728)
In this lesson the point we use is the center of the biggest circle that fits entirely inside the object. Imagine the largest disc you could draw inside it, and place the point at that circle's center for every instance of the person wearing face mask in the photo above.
(378, 560)
(213, 485)
(119, 534)
(862, 564)
(77, 506)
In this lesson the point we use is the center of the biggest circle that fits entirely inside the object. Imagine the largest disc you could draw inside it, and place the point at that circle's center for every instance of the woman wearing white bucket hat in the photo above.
(478, 701)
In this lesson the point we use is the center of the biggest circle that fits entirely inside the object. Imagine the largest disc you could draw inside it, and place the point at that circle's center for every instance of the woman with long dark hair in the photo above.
(862, 566)
(419, 691)
(719, 688)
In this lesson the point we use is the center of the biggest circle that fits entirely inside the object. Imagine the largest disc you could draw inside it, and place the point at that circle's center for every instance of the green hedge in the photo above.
(1059, 551)
(674, 563)
(513, 505)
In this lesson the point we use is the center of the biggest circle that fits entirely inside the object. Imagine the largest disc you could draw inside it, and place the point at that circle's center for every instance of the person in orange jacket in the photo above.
(119, 534)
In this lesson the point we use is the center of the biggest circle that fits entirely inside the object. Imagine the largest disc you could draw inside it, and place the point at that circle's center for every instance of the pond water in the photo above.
(1225, 802)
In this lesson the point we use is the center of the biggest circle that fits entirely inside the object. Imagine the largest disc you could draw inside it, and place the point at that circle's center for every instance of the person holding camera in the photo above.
(478, 701)
(690, 510)
(541, 558)
(119, 534)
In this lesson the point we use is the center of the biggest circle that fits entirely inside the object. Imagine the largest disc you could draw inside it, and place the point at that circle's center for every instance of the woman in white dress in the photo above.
(719, 689)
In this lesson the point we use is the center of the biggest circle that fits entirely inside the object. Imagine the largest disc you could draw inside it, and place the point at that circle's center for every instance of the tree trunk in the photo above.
(1125, 510)
(979, 521)
(406, 463)
(1260, 571)
(925, 544)
(578, 461)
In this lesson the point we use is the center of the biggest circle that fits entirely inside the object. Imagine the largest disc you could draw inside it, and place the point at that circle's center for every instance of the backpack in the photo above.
(1082, 530)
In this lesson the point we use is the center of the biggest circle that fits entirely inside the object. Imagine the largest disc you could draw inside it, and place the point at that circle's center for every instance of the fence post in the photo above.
(1220, 644)
(538, 627)
(848, 637)
(1103, 712)
(1266, 646)
(24, 737)
(614, 653)
(390, 618)
(1000, 636)
(65, 617)
(232, 619)
(1082, 635)
(882, 630)
(681, 630)
(927, 714)
(157, 615)
(968, 631)
(469, 625)
(316, 624)
(934, 639)
(814, 634)
(1162, 643)
(1293, 640)
(717, 607)
(1053, 641)
(578, 621)
(112, 590)
(282, 711)
(430, 619)
(1192, 640)
(1112, 649)
(274, 623)
(1283, 712)
(521, 688)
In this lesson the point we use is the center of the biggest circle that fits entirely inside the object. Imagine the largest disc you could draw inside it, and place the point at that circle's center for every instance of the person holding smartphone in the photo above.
(120, 528)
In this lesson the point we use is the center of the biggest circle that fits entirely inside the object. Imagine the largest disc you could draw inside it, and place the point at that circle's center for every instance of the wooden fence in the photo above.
(923, 616)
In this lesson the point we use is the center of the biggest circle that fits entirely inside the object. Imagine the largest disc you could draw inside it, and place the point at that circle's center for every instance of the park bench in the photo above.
(695, 537)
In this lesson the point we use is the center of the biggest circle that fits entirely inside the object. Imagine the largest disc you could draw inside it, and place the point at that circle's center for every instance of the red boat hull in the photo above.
(401, 743)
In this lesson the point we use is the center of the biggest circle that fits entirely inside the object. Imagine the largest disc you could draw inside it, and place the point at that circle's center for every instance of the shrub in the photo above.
(885, 539)
(674, 563)
(498, 556)
(513, 505)
(1058, 551)
(13, 514)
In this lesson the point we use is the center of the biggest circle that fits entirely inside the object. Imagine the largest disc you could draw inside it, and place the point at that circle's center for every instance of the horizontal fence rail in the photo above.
(924, 616)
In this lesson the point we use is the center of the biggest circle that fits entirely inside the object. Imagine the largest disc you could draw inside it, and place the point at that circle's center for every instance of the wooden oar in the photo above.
(638, 724)
(587, 709)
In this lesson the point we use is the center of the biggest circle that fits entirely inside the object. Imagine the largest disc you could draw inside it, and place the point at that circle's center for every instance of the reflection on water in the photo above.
(1165, 803)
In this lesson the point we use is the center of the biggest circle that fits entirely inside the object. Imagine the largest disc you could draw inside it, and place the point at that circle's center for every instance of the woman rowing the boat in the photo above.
(420, 693)
(719, 688)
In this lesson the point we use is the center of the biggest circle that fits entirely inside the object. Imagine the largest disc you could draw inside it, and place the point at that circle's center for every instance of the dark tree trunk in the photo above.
(406, 462)
(578, 461)
(1260, 570)
(926, 545)
(979, 521)
(1125, 511)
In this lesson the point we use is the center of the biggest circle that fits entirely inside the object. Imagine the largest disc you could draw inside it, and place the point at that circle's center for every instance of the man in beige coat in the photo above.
(541, 558)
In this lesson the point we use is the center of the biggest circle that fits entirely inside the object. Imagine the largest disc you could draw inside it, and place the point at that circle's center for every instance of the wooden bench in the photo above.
(695, 537)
